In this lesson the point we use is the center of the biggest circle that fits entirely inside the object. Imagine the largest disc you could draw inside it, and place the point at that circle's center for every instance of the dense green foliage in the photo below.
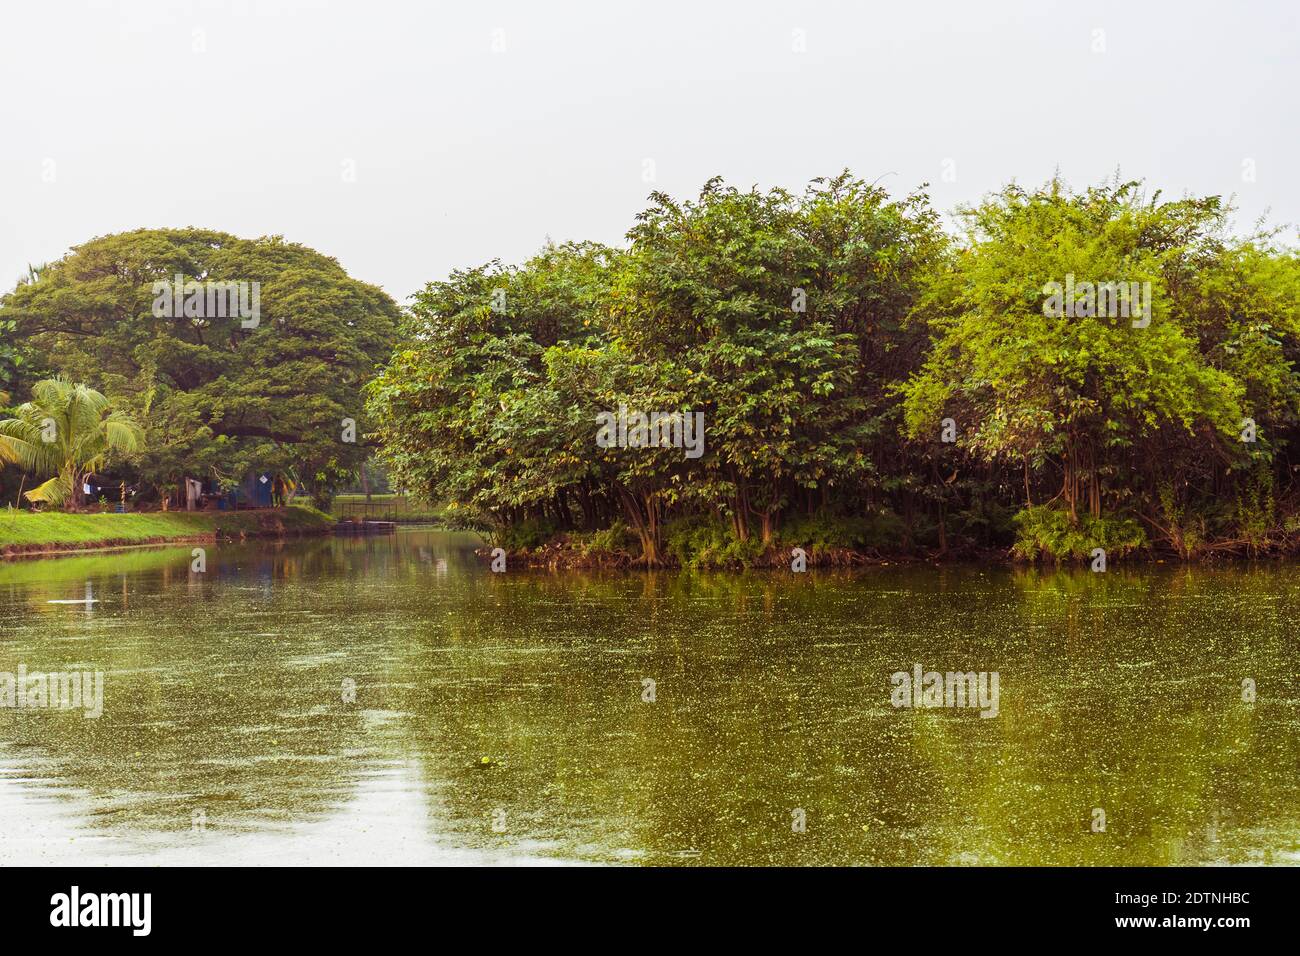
(1104, 368)
(861, 371)
(217, 397)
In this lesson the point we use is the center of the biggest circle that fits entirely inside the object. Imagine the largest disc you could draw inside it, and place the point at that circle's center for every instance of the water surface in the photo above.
(229, 734)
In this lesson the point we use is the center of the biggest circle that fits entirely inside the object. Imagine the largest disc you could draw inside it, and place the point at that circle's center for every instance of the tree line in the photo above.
(1064, 370)
(868, 379)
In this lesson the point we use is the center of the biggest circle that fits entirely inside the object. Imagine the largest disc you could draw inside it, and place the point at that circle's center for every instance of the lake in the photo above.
(389, 700)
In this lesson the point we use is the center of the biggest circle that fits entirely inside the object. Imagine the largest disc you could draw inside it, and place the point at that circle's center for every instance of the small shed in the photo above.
(256, 490)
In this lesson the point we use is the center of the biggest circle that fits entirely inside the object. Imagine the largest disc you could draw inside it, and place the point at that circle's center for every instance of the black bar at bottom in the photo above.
(335, 906)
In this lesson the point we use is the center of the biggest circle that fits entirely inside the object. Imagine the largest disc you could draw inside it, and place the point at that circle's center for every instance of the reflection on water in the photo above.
(229, 735)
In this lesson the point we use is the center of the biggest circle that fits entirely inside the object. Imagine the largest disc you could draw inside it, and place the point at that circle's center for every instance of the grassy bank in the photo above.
(24, 532)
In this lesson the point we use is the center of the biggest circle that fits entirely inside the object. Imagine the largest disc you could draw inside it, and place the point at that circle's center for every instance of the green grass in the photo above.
(388, 507)
(29, 531)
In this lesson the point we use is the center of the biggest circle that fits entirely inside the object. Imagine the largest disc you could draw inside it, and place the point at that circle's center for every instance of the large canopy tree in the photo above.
(217, 396)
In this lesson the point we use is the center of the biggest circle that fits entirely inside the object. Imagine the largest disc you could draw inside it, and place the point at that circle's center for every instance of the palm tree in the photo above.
(67, 430)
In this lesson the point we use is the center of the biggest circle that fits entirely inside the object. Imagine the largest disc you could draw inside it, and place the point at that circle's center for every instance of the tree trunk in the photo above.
(739, 523)
(643, 513)
(943, 530)
(1069, 487)
(1094, 485)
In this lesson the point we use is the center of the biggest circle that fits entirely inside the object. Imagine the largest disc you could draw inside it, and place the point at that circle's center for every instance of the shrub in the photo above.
(616, 539)
(524, 536)
(1044, 531)
(823, 532)
(702, 541)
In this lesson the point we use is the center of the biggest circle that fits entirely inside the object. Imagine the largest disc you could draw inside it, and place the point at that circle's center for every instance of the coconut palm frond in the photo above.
(52, 492)
(22, 443)
(122, 434)
(51, 392)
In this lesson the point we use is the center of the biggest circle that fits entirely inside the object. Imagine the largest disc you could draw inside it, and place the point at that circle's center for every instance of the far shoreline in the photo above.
(559, 559)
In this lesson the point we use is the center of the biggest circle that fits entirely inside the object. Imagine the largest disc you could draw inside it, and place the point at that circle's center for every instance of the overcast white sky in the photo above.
(240, 115)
